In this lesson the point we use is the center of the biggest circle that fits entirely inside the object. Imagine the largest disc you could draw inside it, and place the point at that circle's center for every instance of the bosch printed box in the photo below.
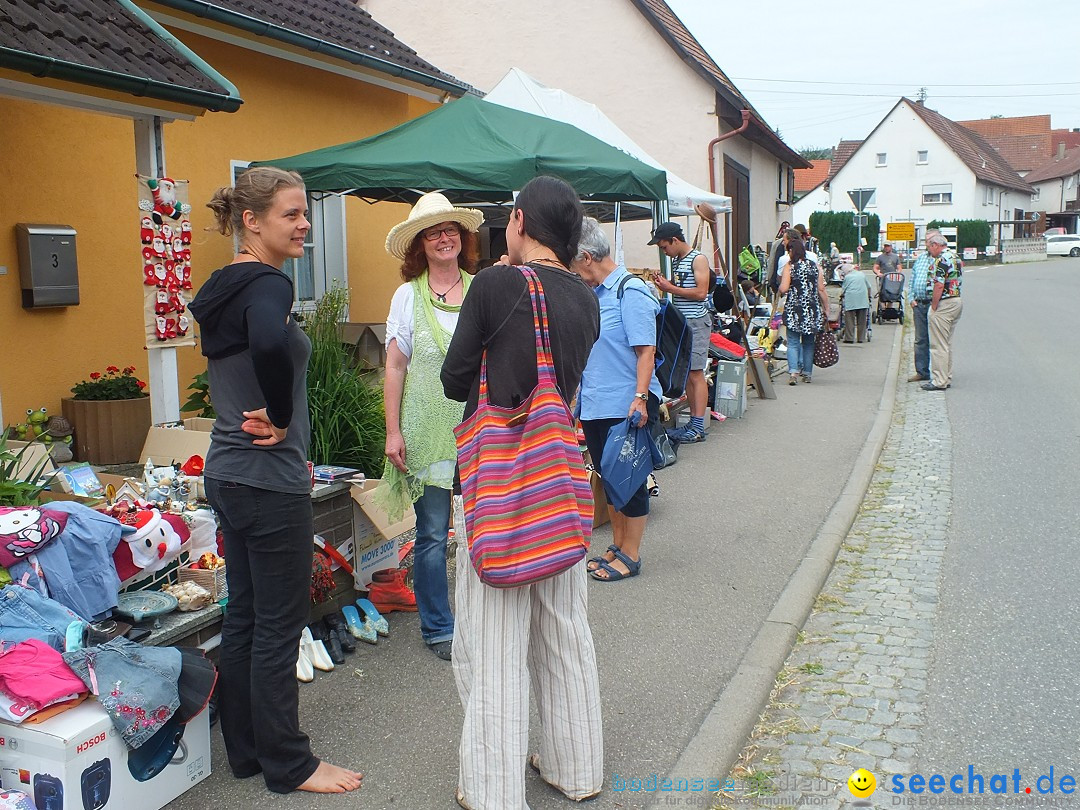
(78, 760)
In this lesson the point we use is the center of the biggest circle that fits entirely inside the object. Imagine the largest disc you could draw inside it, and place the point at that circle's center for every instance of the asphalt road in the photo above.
(734, 519)
(1003, 689)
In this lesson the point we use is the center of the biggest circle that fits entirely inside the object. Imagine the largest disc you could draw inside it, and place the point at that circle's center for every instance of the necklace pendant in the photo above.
(441, 297)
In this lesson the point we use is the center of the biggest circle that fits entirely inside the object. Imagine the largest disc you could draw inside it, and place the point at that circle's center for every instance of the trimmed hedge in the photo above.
(974, 233)
(835, 226)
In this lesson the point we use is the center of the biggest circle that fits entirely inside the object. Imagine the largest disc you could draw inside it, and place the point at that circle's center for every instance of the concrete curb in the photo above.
(719, 740)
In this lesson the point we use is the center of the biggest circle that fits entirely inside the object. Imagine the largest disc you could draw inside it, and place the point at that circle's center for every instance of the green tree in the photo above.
(816, 152)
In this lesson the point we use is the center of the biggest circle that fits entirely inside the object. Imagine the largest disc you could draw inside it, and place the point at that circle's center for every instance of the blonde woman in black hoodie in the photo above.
(257, 480)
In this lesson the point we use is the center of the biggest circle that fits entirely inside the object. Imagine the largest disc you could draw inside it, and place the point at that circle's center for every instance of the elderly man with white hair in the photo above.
(944, 279)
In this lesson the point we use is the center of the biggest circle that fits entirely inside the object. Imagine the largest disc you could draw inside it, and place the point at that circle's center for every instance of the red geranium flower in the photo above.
(141, 384)
(112, 370)
(129, 370)
(95, 375)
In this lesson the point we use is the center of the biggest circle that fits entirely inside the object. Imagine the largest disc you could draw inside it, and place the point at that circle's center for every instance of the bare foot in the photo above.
(332, 779)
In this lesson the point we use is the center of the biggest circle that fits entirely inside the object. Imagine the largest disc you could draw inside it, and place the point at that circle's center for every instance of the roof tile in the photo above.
(1006, 127)
(807, 179)
(97, 34)
(1068, 165)
(339, 22)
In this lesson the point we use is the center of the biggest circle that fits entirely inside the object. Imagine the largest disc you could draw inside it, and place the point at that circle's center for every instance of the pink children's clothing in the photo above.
(36, 673)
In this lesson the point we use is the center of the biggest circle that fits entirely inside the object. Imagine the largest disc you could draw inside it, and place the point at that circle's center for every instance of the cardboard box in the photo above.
(600, 502)
(375, 538)
(367, 344)
(78, 759)
(165, 446)
(35, 456)
(199, 423)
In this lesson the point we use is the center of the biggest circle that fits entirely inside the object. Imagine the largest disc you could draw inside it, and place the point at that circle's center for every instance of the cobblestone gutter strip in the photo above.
(722, 736)
(850, 694)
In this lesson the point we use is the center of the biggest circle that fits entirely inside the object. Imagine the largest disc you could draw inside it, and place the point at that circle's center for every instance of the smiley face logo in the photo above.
(861, 783)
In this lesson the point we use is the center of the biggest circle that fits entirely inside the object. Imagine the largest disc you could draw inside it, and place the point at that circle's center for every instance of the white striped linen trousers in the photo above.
(503, 637)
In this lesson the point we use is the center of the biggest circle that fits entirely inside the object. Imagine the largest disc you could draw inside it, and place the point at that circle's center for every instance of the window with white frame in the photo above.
(938, 194)
(882, 159)
(323, 263)
(922, 157)
(988, 195)
(1036, 194)
(1071, 181)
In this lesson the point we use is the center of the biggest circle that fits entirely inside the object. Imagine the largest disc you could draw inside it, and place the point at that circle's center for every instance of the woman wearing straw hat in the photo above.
(438, 247)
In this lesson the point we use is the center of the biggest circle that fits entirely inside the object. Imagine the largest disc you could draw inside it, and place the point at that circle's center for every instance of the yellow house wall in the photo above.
(65, 166)
(61, 166)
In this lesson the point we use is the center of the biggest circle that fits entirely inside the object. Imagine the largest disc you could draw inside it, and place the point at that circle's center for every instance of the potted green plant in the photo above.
(111, 415)
(347, 422)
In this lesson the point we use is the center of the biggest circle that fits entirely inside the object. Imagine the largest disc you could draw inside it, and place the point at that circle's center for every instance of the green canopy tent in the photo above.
(475, 152)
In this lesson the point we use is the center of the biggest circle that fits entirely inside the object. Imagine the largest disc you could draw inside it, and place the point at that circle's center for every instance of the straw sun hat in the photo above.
(431, 209)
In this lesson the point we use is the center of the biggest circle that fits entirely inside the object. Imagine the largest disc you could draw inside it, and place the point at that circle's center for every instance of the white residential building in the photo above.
(1057, 190)
(923, 167)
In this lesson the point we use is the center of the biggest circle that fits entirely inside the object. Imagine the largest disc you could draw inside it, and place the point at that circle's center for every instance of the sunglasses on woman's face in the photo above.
(436, 233)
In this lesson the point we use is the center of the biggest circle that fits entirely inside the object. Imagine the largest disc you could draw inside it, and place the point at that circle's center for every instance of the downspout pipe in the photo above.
(717, 258)
(712, 144)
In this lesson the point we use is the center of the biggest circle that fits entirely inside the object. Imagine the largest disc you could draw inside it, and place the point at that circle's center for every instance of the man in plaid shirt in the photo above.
(919, 298)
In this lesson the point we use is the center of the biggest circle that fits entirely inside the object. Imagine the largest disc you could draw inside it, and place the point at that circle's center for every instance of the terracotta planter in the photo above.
(110, 431)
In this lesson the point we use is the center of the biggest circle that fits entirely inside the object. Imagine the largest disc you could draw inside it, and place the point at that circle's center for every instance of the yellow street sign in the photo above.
(900, 231)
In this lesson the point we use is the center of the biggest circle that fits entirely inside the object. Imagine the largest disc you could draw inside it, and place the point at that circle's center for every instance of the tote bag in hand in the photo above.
(826, 352)
(528, 503)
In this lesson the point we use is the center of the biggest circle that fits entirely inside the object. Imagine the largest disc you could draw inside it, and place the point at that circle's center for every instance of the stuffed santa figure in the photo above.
(154, 543)
(165, 202)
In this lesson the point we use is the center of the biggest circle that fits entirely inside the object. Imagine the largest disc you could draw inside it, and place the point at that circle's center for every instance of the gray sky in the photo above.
(992, 57)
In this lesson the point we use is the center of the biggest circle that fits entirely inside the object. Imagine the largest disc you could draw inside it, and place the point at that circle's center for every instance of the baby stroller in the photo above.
(890, 300)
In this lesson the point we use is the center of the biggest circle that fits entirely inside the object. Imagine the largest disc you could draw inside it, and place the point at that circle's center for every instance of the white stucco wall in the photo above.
(603, 51)
(816, 200)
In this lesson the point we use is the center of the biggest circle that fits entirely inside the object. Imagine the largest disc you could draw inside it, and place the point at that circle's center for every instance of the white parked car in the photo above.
(1063, 245)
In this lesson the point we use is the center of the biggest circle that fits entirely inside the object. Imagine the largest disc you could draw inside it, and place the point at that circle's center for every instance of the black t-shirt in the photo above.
(497, 316)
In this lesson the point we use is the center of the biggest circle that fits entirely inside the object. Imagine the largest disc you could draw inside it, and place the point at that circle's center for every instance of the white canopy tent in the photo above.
(519, 91)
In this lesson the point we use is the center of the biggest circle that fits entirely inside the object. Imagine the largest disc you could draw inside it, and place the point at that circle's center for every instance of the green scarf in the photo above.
(430, 303)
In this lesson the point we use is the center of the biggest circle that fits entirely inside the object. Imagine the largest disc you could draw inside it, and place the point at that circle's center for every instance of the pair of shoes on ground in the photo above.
(364, 621)
(917, 378)
(687, 435)
(332, 634)
(312, 656)
(929, 386)
(388, 591)
(534, 763)
(611, 573)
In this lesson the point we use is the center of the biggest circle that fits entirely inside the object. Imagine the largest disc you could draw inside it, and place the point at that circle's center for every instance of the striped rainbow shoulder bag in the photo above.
(527, 500)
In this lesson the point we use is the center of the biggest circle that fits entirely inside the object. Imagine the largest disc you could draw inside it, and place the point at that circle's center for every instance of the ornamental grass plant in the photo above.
(348, 426)
(113, 384)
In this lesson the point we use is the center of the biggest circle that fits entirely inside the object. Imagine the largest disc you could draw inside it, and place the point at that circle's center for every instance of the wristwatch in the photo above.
(642, 396)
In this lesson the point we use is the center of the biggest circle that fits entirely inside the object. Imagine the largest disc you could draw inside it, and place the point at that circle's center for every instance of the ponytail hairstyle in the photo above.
(797, 251)
(553, 215)
(254, 191)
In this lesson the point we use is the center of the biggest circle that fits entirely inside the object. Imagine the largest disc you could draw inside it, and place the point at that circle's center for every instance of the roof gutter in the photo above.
(209, 11)
(47, 67)
(203, 66)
